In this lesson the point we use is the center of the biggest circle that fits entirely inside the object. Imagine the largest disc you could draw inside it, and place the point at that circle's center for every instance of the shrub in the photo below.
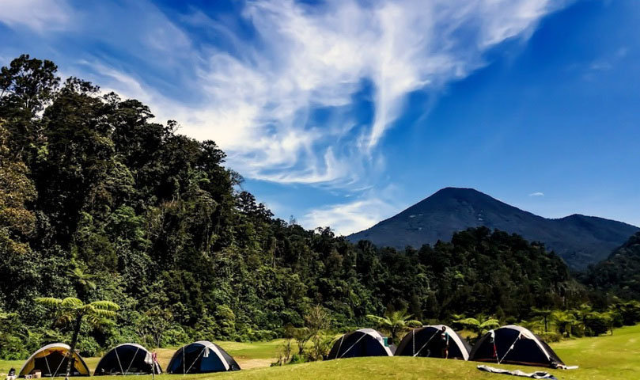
(88, 346)
(550, 337)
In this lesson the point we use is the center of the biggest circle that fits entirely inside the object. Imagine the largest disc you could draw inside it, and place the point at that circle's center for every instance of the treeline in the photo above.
(99, 202)
(619, 274)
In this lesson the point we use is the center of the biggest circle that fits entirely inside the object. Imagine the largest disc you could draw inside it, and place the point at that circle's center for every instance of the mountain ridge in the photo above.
(579, 239)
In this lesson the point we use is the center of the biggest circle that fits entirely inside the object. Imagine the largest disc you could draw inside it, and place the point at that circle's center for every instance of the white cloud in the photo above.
(537, 194)
(609, 61)
(255, 94)
(39, 15)
(354, 215)
(347, 218)
(308, 58)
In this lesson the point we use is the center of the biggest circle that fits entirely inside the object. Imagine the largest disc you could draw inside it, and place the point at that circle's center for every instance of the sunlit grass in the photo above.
(603, 358)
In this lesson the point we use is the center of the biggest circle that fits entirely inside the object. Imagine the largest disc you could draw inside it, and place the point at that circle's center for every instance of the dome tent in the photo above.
(363, 342)
(201, 357)
(514, 345)
(127, 359)
(427, 342)
(51, 361)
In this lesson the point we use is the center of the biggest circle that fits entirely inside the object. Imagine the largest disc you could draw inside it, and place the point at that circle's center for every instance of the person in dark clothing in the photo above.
(444, 342)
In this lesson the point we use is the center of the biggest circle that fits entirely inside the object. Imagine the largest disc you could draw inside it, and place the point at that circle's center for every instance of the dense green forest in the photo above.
(620, 273)
(93, 191)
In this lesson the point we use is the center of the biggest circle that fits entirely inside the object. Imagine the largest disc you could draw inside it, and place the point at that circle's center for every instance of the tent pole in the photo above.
(132, 359)
(413, 340)
(425, 345)
(510, 348)
(119, 362)
(196, 359)
(339, 347)
(46, 361)
(57, 369)
(357, 341)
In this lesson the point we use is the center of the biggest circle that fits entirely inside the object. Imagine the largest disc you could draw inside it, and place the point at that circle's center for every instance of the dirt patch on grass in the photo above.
(253, 363)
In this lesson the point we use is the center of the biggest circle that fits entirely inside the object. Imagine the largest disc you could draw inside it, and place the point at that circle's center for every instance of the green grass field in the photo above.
(603, 358)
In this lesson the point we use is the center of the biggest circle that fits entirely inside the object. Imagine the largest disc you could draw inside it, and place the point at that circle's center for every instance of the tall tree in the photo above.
(395, 322)
(16, 190)
(73, 311)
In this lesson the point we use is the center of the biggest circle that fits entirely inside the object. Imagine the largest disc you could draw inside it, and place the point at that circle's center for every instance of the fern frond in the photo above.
(490, 324)
(49, 301)
(105, 305)
(71, 303)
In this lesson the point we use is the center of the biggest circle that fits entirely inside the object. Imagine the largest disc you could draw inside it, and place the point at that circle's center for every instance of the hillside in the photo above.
(580, 240)
(620, 273)
(602, 358)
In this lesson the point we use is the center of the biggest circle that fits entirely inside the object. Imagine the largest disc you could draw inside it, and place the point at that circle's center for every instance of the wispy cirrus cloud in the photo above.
(309, 58)
(537, 194)
(256, 93)
(39, 15)
(281, 89)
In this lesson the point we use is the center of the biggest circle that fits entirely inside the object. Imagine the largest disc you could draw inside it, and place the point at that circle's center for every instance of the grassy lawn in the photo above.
(606, 358)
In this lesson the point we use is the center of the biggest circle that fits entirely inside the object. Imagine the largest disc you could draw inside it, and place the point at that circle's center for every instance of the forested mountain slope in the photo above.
(620, 273)
(580, 240)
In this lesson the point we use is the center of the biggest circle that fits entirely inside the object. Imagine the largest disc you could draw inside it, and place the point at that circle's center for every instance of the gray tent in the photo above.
(427, 341)
(514, 345)
(127, 359)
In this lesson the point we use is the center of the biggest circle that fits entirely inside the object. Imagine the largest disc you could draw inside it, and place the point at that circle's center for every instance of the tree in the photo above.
(564, 321)
(395, 323)
(544, 313)
(153, 324)
(476, 326)
(84, 281)
(489, 324)
(72, 311)
(28, 84)
(16, 190)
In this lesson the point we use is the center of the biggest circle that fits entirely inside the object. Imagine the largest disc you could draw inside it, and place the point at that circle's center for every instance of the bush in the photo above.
(297, 359)
(262, 335)
(12, 348)
(550, 337)
(175, 336)
(597, 323)
(88, 346)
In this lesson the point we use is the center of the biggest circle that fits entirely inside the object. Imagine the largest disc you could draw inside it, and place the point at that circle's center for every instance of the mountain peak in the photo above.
(457, 191)
(580, 240)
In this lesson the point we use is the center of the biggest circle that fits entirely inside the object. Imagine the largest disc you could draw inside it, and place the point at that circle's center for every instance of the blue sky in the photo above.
(342, 113)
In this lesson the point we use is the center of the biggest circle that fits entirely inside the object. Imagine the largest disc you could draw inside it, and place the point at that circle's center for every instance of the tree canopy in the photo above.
(98, 201)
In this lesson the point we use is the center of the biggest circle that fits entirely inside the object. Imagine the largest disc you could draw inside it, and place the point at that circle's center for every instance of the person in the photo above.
(444, 340)
(12, 374)
(492, 342)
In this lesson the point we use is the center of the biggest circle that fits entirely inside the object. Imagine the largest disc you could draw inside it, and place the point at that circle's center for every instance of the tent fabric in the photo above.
(517, 372)
(127, 359)
(363, 342)
(51, 361)
(514, 345)
(201, 357)
(426, 342)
